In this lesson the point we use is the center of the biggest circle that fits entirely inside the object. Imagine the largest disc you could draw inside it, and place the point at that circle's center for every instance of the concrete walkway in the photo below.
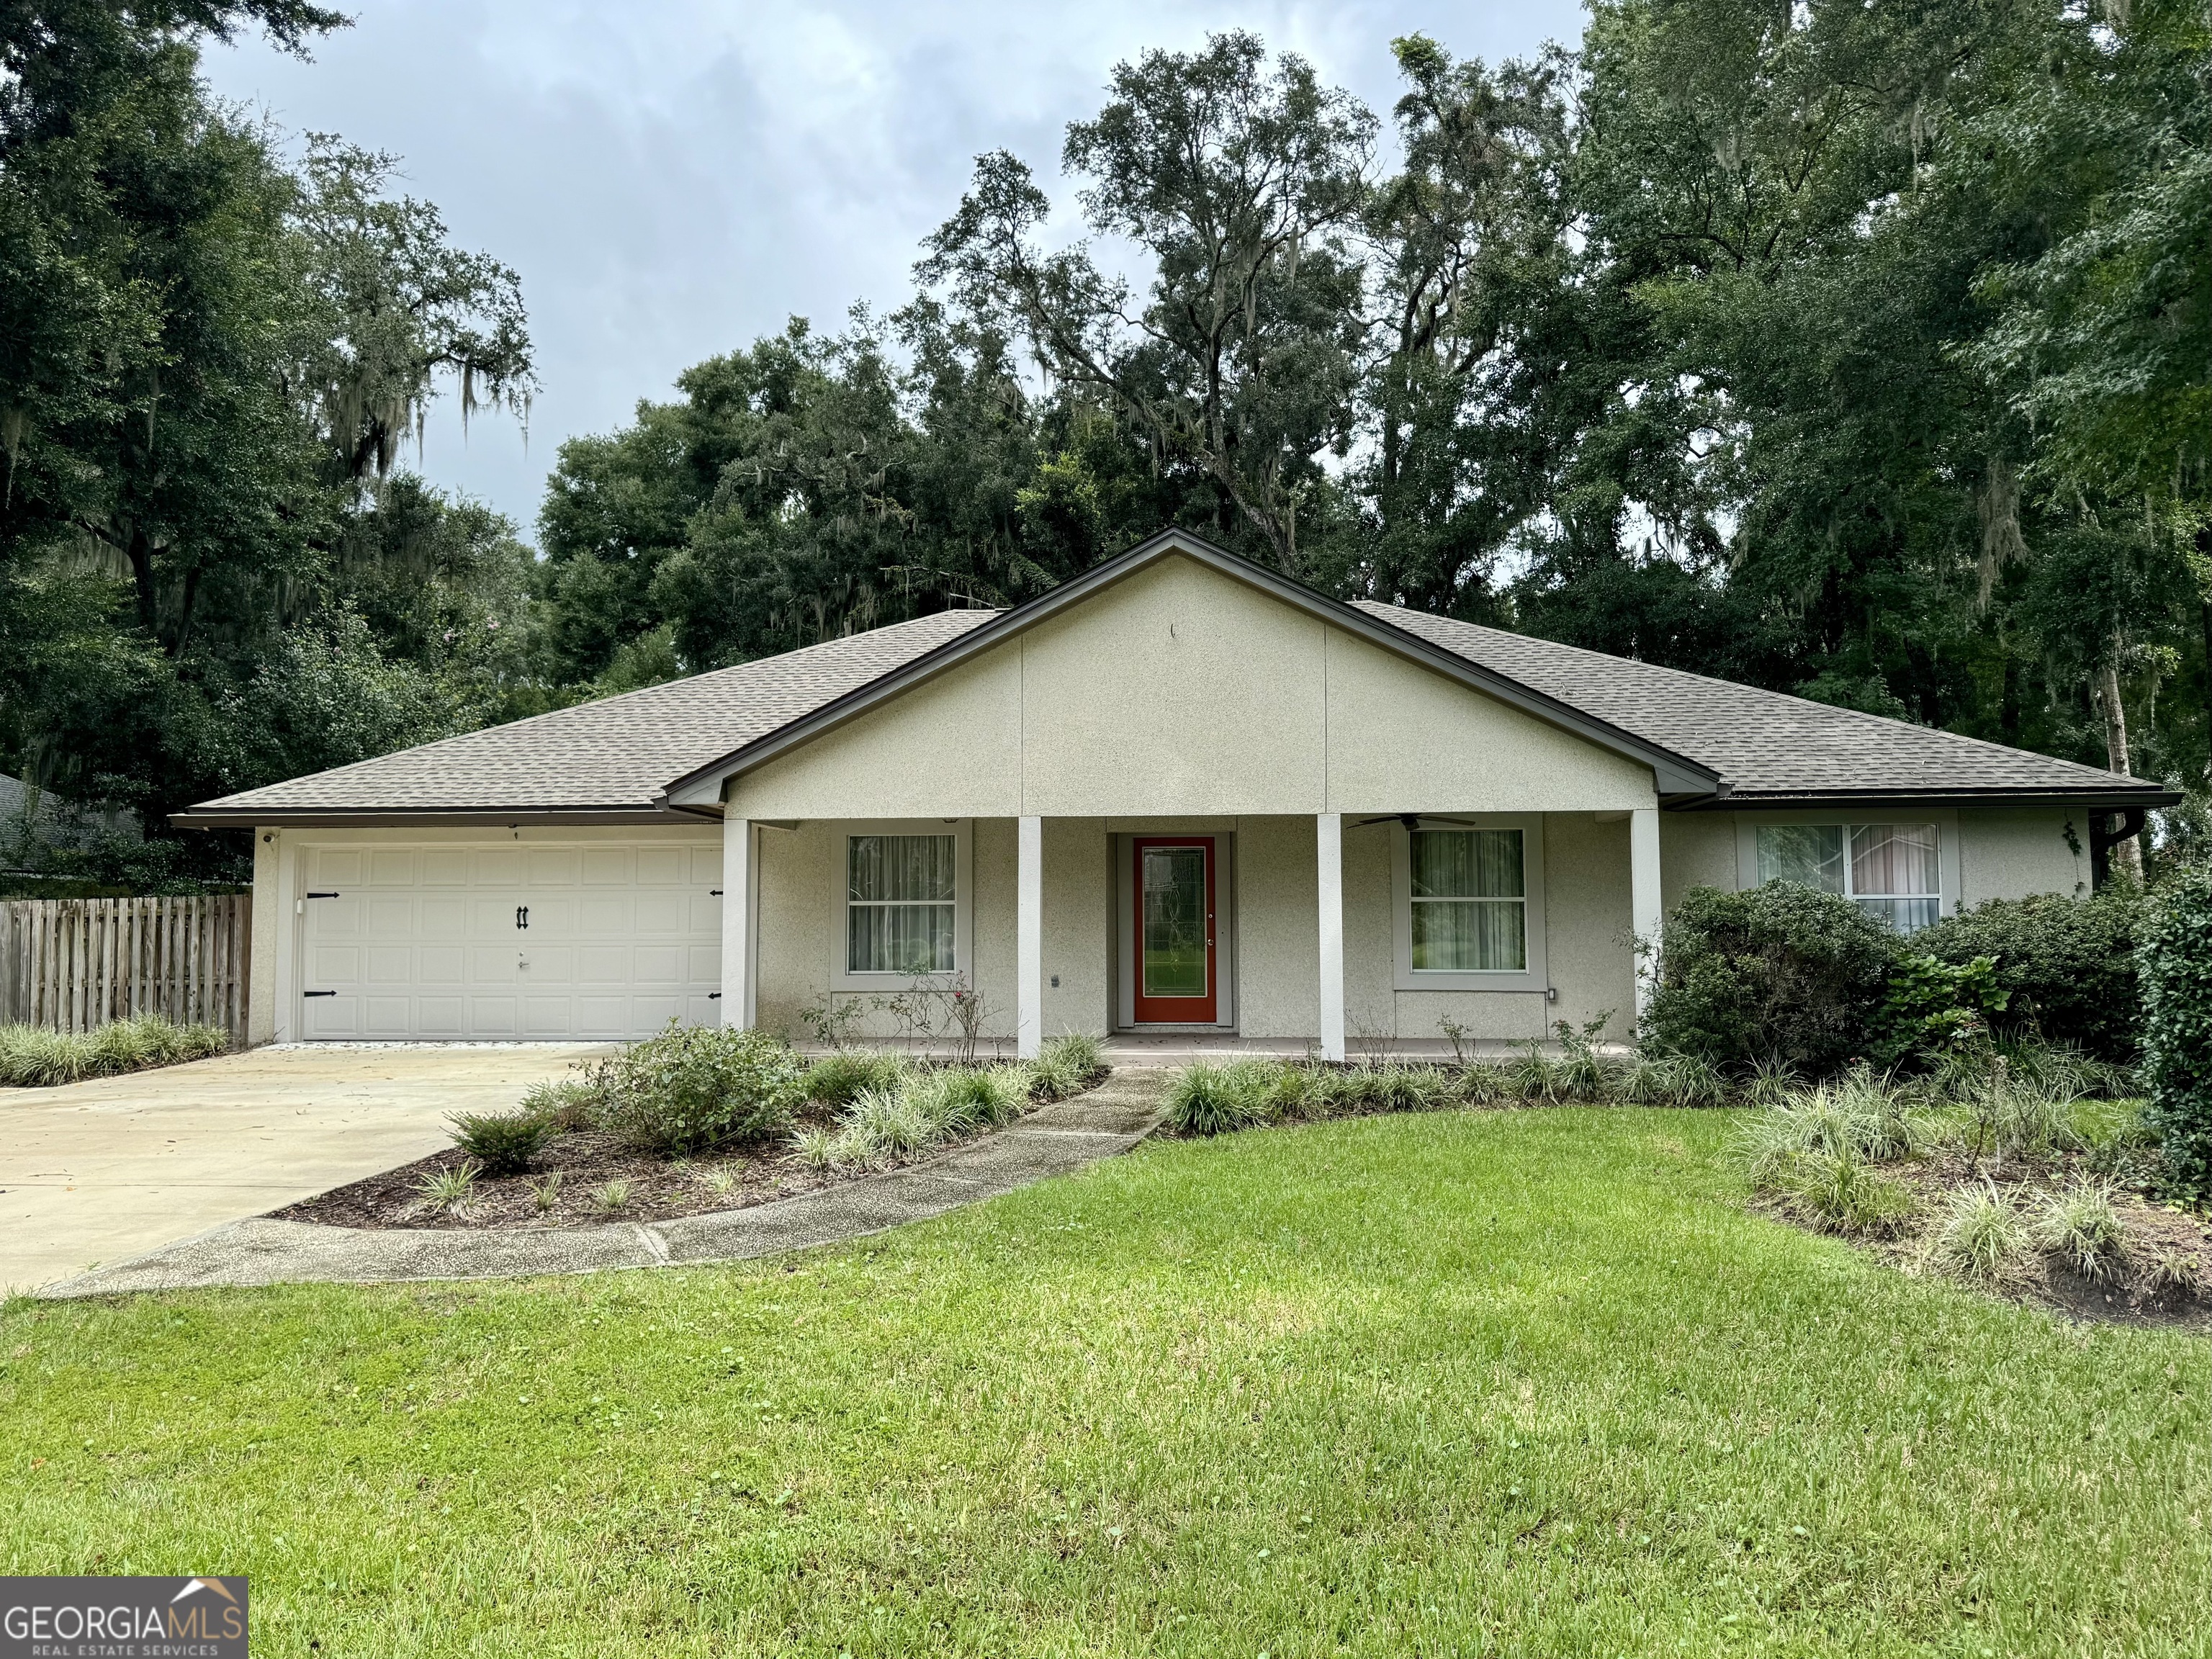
(98, 1171)
(1052, 1140)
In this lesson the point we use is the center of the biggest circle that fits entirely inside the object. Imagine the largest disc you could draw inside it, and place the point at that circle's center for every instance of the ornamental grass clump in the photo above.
(1981, 1236)
(450, 1191)
(1211, 1100)
(1838, 1189)
(33, 1057)
(838, 1079)
(2078, 1227)
(1066, 1066)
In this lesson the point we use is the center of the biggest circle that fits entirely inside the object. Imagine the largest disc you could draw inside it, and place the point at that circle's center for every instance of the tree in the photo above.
(1244, 188)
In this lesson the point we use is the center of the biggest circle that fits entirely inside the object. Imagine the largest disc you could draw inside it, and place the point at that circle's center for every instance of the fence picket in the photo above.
(74, 964)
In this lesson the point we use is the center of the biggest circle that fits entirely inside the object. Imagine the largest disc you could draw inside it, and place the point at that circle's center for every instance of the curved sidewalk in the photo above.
(1049, 1141)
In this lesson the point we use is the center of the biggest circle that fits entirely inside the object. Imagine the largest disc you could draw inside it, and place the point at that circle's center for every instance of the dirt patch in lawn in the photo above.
(586, 1163)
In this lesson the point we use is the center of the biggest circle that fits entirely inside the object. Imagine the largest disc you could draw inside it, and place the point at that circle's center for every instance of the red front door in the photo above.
(1175, 966)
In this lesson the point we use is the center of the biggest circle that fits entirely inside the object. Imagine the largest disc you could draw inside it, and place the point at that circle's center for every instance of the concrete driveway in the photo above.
(99, 1171)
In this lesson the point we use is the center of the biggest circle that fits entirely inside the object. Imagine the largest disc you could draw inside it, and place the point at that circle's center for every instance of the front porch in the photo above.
(1345, 936)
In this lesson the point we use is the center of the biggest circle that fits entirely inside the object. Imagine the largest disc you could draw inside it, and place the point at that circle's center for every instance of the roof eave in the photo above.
(504, 817)
(2093, 797)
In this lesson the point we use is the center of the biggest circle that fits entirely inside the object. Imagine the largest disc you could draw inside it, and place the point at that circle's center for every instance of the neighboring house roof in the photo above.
(58, 819)
(1710, 741)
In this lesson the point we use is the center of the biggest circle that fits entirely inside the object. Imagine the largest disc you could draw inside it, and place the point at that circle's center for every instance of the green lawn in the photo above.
(1521, 1383)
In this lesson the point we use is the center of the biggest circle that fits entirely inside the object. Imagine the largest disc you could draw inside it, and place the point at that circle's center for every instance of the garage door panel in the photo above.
(607, 914)
(497, 866)
(659, 913)
(331, 866)
(440, 1017)
(445, 866)
(608, 866)
(423, 941)
(494, 1017)
(390, 964)
(392, 866)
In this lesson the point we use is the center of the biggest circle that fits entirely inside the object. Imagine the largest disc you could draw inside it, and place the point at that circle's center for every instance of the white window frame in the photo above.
(841, 978)
(1947, 841)
(1535, 976)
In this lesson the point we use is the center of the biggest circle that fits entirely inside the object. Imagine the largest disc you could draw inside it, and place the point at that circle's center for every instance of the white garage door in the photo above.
(509, 941)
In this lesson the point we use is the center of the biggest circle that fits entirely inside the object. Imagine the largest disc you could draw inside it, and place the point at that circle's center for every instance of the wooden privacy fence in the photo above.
(73, 964)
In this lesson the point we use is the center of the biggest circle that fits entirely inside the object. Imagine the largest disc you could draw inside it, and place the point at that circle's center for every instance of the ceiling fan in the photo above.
(1414, 821)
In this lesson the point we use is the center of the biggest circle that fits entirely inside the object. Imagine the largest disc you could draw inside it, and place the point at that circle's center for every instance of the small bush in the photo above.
(1781, 973)
(561, 1104)
(1212, 1100)
(1981, 1236)
(1935, 1007)
(2079, 1227)
(2177, 1001)
(840, 1079)
(700, 1086)
(1066, 1066)
(2068, 965)
(502, 1142)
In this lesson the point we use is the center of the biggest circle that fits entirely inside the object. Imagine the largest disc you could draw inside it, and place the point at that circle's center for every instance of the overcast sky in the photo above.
(675, 177)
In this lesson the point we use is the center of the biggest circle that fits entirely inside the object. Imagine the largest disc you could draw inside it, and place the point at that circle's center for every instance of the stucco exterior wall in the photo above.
(261, 961)
(2011, 854)
(1181, 691)
(1696, 849)
(1274, 938)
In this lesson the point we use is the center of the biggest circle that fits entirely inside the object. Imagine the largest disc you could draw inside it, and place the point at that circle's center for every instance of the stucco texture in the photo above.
(1181, 691)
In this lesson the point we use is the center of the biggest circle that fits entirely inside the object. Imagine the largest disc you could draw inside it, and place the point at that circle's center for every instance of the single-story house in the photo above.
(1179, 794)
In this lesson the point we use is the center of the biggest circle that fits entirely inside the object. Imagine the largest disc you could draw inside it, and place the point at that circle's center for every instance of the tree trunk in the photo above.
(2127, 855)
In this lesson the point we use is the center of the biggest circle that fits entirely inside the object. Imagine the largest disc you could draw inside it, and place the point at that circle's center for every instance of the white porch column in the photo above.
(1028, 938)
(739, 925)
(1646, 913)
(1328, 847)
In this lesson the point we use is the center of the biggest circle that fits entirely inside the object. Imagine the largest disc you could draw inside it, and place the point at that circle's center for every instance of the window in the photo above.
(1890, 869)
(1469, 902)
(900, 893)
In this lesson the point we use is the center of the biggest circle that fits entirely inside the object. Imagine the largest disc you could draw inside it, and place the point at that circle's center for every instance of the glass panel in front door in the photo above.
(1174, 921)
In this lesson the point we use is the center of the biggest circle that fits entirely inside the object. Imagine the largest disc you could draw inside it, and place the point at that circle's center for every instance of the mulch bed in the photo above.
(2152, 1230)
(660, 1190)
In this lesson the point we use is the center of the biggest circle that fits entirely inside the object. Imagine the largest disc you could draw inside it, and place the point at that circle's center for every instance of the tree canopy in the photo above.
(1858, 352)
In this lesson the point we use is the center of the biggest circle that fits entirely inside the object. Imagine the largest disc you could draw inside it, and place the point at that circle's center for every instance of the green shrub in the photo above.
(561, 1104)
(1933, 1008)
(957, 1100)
(503, 1142)
(2068, 965)
(840, 1079)
(2177, 1004)
(1211, 1100)
(699, 1086)
(1782, 973)
(1066, 1066)
(1290, 1091)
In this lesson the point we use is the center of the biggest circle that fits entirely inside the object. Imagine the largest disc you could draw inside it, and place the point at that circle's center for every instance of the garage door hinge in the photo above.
(319, 993)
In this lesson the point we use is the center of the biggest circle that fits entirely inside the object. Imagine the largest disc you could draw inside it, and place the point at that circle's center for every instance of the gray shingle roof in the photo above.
(617, 754)
(622, 754)
(1765, 744)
